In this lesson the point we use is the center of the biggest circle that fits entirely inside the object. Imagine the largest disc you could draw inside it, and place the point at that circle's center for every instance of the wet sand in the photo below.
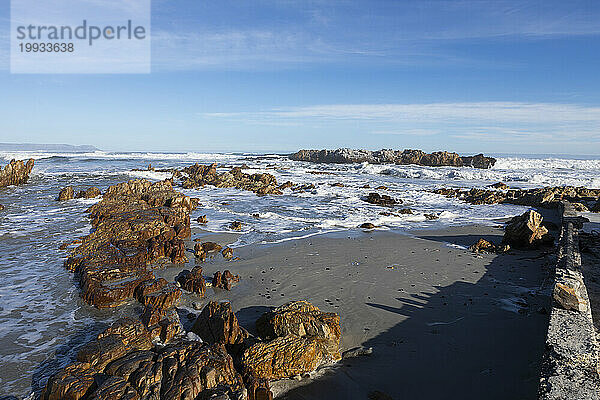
(443, 322)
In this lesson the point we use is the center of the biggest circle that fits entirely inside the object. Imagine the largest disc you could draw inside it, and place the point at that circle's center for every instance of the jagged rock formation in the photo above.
(68, 193)
(136, 223)
(199, 175)
(405, 157)
(16, 172)
(123, 364)
(303, 338)
(548, 197)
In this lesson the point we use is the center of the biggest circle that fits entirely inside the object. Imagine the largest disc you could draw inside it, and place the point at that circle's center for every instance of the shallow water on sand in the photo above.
(42, 318)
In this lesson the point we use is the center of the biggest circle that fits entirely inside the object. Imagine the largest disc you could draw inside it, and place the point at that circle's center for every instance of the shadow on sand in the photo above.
(480, 340)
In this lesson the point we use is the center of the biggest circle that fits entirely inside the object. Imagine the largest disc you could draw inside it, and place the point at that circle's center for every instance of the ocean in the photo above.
(42, 318)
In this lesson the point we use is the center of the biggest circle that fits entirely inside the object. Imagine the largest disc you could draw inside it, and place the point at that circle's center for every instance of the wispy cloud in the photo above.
(377, 32)
(488, 121)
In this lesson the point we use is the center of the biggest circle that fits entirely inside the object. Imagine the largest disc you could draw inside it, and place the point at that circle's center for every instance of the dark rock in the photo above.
(1, 207)
(500, 185)
(258, 389)
(417, 157)
(367, 225)
(489, 247)
(431, 217)
(478, 161)
(236, 226)
(16, 172)
(66, 194)
(526, 231)
(89, 193)
(202, 219)
(381, 200)
(547, 197)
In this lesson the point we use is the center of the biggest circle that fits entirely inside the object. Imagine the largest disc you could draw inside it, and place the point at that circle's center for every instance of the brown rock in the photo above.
(300, 318)
(227, 253)
(136, 223)
(218, 324)
(225, 280)
(74, 382)
(100, 352)
(16, 172)
(1, 207)
(66, 193)
(200, 175)
(203, 219)
(568, 297)
(236, 226)
(486, 246)
(89, 193)
(115, 388)
(287, 356)
(367, 225)
(258, 389)
(526, 231)
(164, 298)
(131, 332)
(191, 368)
(192, 281)
(431, 216)
(209, 247)
(580, 207)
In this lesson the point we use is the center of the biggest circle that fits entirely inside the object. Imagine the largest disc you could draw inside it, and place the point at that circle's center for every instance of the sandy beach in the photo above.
(443, 322)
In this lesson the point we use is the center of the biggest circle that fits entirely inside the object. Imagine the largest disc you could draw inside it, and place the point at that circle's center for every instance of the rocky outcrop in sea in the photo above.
(404, 157)
(16, 172)
(548, 197)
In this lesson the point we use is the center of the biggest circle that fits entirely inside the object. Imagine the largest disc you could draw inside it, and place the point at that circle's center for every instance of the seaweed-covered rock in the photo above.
(16, 172)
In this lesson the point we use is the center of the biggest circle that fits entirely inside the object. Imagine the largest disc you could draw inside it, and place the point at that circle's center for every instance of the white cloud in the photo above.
(490, 121)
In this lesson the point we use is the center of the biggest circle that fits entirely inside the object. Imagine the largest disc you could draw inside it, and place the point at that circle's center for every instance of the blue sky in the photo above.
(467, 76)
